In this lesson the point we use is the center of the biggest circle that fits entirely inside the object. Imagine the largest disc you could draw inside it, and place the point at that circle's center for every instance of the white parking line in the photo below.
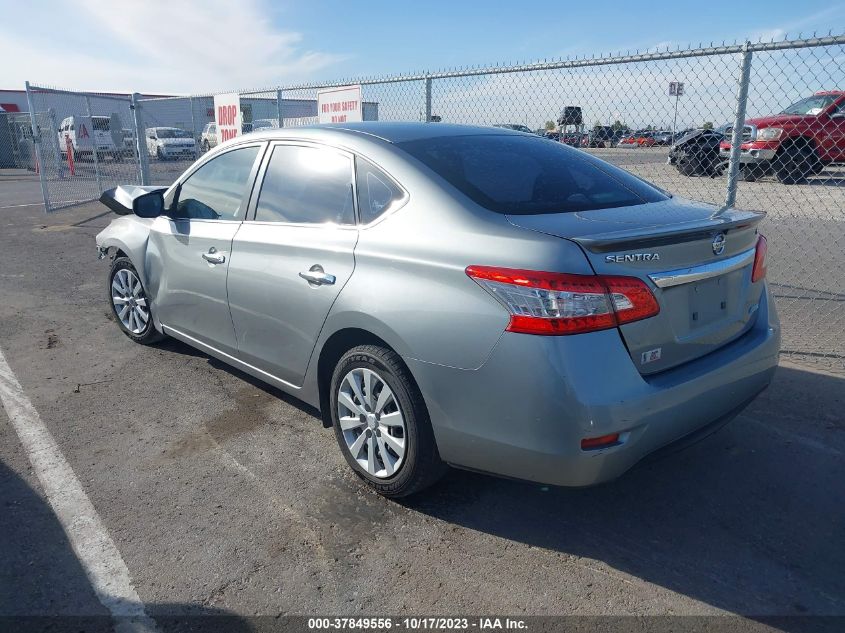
(95, 549)
(28, 204)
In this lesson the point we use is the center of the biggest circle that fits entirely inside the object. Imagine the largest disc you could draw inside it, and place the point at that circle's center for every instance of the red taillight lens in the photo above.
(759, 270)
(558, 303)
(599, 442)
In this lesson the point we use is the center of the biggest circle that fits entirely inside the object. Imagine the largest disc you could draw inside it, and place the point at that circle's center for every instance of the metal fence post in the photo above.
(739, 124)
(94, 152)
(193, 128)
(54, 144)
(140, 139)
(428, 99)
(279, 108)
(36, 144)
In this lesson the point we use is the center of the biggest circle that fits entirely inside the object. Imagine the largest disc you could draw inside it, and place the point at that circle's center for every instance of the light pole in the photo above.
(676, 89)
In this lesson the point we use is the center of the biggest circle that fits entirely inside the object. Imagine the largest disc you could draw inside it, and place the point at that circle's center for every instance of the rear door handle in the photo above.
(317, 277)
(213, 257)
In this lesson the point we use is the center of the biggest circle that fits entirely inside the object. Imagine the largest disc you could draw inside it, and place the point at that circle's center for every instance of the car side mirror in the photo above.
(150, 205)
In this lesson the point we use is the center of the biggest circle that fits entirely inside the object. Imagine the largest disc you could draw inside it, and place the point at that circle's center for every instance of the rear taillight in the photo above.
(558, 303)
(759, 270)
(592, 443)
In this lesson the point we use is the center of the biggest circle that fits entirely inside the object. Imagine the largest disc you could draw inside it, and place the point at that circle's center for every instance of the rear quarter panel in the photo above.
(410, 287)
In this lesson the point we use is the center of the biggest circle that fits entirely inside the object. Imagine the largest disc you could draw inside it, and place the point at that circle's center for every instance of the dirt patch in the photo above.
(248, 414)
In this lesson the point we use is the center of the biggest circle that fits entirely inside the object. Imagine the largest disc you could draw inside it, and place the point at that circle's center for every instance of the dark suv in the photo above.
(604, 136)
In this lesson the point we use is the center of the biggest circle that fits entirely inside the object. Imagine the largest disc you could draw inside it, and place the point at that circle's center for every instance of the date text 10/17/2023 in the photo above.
(417, 623)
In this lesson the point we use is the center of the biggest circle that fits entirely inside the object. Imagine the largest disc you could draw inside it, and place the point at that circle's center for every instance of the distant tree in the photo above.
(708, 125)
(550, 125)
(619, 125)
(597, 125)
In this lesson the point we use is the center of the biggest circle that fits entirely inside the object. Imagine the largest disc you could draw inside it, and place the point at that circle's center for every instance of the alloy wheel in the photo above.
(129, 301)
(371, 422)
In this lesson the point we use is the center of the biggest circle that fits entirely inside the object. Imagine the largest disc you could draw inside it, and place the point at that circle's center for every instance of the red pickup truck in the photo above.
(797, 143)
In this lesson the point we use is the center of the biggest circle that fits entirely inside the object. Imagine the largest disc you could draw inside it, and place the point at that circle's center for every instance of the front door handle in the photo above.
(213, 257)
(317, 276)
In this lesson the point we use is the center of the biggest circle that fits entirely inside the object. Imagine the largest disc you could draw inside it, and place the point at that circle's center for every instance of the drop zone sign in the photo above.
(227, 115)
(339, 105)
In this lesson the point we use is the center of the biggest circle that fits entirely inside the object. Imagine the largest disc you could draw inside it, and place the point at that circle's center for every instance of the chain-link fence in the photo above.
(83, 143)
(756, 125)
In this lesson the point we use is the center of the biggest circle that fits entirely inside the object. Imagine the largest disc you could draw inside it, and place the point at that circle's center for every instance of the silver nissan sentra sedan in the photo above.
(454, 295)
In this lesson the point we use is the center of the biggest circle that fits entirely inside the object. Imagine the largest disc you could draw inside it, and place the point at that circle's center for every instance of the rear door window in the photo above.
(307, 185)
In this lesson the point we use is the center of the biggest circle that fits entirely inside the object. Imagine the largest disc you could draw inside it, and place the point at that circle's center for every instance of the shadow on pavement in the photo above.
(43, 586)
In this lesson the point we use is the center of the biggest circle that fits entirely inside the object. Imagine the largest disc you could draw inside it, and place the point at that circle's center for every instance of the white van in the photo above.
(85, 133)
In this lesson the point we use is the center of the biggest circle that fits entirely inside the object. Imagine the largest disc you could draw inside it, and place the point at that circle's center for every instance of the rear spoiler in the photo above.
(119, 199)
(643, 237)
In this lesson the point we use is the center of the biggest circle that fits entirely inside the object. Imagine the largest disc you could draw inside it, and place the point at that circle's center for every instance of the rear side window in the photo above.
(307, 185)
(377, 193)
(216, 190)
(523, 175)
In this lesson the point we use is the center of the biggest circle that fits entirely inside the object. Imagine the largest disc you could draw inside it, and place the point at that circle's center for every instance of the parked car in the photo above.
(492, 301)
(574, 139)
(208, 138)
(639, 139)
(663, 137)
(85, 133)
(697, 154)
(265, 124)
(170, 142)
(797, 143)
(517, 127)
(605, 136)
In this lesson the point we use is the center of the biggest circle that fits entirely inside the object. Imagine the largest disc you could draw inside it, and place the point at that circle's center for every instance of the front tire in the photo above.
(130, 306)
(794, 164)
(381, 423)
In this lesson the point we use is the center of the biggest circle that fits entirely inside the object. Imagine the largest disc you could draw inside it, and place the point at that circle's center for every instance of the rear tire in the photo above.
(129, 303)
(384, 434)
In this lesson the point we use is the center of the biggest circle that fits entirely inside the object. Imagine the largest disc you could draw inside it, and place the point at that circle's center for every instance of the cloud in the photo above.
(820, 21)
(158, 46)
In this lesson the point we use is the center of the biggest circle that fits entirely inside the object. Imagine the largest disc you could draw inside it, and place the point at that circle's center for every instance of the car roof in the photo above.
(392, 132)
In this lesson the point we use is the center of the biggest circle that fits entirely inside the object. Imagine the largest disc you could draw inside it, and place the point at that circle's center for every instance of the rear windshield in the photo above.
(520, 175)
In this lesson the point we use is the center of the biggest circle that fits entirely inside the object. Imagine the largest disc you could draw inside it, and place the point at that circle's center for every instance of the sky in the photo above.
(188, 46)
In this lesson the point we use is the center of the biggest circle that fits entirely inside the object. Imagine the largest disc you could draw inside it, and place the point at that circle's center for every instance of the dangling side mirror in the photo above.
(150, 205)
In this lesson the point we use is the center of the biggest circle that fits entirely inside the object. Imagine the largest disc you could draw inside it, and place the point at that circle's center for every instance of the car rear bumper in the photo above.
(524, 413)
(177, 151)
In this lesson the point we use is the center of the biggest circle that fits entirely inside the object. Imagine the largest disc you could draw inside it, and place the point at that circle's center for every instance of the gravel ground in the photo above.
(226, 496)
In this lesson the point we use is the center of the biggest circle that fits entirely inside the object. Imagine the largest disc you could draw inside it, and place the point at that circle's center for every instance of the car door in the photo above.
(189, 249)
(833, 133)
(292, 257)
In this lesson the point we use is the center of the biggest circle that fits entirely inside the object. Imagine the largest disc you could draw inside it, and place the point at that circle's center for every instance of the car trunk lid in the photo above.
(697, 263)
